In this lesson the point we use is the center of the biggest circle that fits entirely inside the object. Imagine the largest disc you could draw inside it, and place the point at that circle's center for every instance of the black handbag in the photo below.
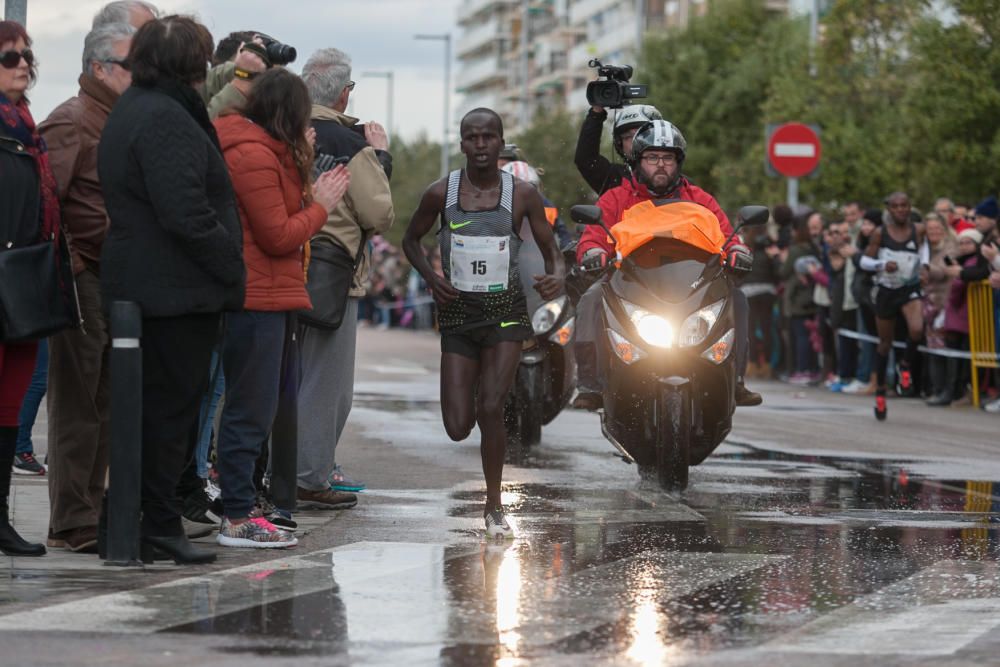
(328, 281)
(37, 292)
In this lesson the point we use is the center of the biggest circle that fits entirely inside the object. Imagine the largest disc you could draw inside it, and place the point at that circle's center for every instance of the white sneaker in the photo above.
(497, 526)
(993, 407)
(855, 386)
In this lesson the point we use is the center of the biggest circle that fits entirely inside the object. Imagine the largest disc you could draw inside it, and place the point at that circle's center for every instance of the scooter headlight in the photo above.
(698, 325)
(547, 315)
(653, 329)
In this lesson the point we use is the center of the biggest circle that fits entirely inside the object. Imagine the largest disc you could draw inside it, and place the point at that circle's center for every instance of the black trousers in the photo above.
(762, 320)
(176, 355)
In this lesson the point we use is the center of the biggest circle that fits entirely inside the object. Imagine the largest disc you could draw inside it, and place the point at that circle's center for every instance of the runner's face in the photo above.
(481, 141)
(899, 209)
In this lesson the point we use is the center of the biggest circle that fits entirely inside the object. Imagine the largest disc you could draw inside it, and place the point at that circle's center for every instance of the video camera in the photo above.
(615, 91)
(276, 52)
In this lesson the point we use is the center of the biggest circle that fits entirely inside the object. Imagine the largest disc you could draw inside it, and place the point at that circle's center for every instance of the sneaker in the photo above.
(830, 381)
(837, 387)
(993, 407)
(198, 507)
(27, 464)
(264, 504)
(326, 499)
(196, 529)
(282, 519)
(905, 382)
(881, 409)
(799, 379)
(496, 524)
(855, 386)
(341, 482)
(255, 533)
(212, 489)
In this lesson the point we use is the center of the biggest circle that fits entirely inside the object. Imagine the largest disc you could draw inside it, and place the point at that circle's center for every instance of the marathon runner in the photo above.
(894, 254)
(482, 312)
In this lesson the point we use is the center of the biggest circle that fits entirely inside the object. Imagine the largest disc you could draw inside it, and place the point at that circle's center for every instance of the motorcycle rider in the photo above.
(601, 175)
(656, 159)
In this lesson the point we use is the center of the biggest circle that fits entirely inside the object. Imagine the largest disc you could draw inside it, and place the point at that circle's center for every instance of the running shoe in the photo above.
(497, 526)
(856, 386)
(880, 406)
(254, 533)
(905, 383)
(198, 507)
(282, 519)
(27, 464)
(341, 482)
(993, 407)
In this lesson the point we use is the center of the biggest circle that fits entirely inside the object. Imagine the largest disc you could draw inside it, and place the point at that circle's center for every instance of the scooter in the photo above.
(546, 375)
(670, 335)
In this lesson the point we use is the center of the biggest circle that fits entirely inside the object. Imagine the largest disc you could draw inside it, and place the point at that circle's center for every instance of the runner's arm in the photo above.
(550, 284)
(430, 207)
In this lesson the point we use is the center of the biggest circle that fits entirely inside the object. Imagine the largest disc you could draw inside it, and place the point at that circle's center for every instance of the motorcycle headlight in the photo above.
(698, 325)
(547, 315)
(653, 329)
(624, 348)
(719, 351)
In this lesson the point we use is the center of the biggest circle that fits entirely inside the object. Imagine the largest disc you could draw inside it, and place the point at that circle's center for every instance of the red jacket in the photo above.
(617, 200)
(275, 224)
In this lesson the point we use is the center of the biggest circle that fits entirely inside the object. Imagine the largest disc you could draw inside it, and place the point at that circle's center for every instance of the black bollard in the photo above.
(125, 473)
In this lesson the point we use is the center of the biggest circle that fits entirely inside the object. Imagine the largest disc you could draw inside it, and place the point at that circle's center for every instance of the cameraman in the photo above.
(601, 175)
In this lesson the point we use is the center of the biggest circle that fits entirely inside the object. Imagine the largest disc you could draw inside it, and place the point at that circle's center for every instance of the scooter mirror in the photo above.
(753, 216)
(586, 215)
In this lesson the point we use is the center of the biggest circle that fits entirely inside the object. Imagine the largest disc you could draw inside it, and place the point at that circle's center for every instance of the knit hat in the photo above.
(973, 234)
(989, 208)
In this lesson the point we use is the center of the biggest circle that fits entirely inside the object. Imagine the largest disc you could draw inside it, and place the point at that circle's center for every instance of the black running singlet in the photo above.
(479, 257)
(907, 258)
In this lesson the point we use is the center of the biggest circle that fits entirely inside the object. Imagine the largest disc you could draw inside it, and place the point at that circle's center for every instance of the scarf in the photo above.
(19, 125)
(189, 98)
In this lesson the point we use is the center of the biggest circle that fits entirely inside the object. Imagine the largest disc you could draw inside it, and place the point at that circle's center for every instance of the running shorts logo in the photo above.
(504, 325)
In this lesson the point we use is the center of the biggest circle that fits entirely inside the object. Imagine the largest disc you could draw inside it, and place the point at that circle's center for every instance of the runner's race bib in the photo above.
(480, 263)
(907, 263)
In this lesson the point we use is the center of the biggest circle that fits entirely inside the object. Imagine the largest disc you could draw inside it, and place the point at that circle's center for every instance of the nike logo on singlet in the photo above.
(458, 225)
(504, 325)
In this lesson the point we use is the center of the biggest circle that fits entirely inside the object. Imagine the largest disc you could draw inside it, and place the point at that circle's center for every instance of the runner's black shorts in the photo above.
(889, 302)
(470, 342)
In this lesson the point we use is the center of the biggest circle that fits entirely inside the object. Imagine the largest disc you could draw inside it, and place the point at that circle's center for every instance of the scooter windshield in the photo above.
(669, 269)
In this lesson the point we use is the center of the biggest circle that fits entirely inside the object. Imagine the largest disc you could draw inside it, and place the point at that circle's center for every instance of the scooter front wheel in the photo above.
(673, 437)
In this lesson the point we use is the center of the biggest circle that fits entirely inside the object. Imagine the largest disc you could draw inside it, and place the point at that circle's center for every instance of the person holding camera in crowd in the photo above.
(327, 352)
(657, 156)
(174, 247)
(268, 150)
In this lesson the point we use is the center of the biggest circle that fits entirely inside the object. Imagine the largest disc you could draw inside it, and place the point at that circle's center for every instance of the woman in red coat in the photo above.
(270, 162)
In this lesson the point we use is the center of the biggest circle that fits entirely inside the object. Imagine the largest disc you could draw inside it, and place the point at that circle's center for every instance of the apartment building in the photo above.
(561, 37)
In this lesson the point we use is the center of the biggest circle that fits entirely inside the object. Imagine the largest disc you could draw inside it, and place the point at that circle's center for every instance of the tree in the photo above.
(415, 165)
(549, 145)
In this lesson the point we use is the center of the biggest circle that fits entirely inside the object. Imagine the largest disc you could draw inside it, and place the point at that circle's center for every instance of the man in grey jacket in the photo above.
(327, 387)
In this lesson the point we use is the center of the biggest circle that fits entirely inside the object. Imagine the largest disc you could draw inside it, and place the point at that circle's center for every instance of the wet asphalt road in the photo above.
(832, 555)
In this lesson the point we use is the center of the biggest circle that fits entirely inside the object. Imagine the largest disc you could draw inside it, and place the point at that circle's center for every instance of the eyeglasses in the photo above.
(121, 63)
(11, 59)
(653, 160)
(350, 85)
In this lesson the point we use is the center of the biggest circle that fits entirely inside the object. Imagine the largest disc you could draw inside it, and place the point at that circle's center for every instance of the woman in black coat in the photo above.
(174, 246)
(29, 212)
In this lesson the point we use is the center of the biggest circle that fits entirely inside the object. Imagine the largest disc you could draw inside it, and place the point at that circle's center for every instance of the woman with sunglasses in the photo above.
(29, 211)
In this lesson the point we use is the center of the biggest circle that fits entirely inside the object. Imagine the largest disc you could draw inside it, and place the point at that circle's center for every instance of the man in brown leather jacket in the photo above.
(78, 375)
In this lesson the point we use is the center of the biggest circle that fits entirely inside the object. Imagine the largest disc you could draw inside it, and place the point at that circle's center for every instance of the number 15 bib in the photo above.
(480, 263)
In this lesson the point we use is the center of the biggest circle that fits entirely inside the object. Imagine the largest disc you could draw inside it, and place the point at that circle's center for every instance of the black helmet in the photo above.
(631, 116)
(660, 134)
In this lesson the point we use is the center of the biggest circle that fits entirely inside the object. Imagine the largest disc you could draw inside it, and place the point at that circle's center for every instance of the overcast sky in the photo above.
(377, 34)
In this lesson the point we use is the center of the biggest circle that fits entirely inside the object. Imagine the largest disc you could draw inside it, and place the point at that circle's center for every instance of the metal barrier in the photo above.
(982, 332)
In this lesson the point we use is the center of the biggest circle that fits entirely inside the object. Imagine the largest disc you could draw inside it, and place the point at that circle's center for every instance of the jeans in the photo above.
(251, 357)
(803, 355)
(209, 404)
(33, 399)
(847, 348)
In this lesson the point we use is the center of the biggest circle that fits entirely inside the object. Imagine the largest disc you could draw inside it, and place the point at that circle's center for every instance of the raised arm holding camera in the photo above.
(612, 93)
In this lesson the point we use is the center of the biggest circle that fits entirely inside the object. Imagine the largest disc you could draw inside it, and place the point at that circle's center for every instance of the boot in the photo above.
(744, 397)
(11, 543)
(945, 372)
(589, 396)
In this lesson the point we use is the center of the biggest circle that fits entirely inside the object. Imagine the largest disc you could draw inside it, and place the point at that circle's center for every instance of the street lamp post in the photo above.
(446, 38)
(390, 86)
(16, 10)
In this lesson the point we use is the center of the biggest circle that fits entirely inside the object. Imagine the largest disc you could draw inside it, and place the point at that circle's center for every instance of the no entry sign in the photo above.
(793, 150)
